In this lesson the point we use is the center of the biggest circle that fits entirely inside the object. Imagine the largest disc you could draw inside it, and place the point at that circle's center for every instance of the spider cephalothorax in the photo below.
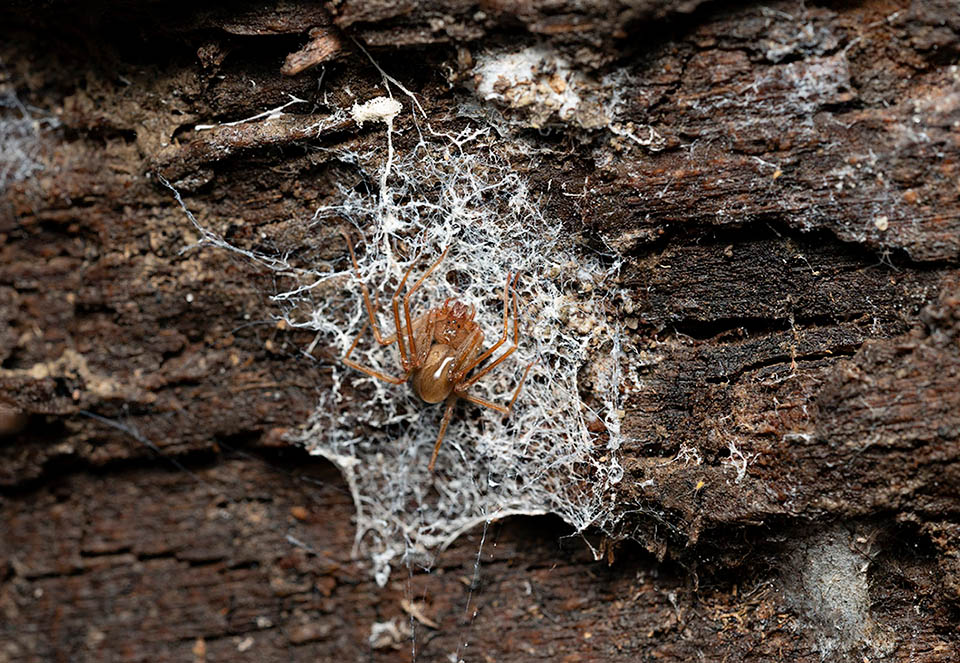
(440, 347)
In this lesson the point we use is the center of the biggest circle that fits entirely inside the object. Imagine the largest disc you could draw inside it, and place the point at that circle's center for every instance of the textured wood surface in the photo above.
(789, 217)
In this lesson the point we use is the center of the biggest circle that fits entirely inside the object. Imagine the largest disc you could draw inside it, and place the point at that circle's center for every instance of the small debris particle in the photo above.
(299, 512)
(581, 323)
(558, 84)
(575, 603)
(728, 252)
(910, 196)
(464, 58)
(190, 298)
(882, 223)
(94, 637)
(390, 634)
(777, 173)
(245, 644)
(310, 632)
(325, 585)
(200, 649)
(276, 438)
(379, 109)
(587, 635)
(324, 45)
(415, 610)
(596, 426)
(12, 420)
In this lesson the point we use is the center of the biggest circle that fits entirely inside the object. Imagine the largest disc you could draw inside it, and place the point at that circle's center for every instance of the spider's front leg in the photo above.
(461, 389)
(406, 301)
(506, 327)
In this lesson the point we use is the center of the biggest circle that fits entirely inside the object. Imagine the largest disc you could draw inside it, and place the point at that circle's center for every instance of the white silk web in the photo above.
(458, 191)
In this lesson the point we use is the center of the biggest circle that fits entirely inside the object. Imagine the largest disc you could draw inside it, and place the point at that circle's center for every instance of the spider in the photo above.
(440, 347)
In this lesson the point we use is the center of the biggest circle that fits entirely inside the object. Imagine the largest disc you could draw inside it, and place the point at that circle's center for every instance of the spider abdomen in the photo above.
(432, 382)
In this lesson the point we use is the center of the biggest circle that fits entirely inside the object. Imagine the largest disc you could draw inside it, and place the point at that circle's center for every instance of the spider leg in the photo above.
(425, 324)
(489, 367)
(394, 304)
(372, 373)
(485, 403)
(418, 323)
(506, 326)
(369, 371)
(463, 355)
(356, 340)
(443, 429)
(494, 406)
(406, 298)
(371, 309)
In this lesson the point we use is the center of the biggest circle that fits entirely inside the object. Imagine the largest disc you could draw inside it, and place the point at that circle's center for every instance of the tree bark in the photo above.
(781, 180)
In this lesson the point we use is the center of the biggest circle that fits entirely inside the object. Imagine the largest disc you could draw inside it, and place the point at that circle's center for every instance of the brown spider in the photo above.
(441, 347)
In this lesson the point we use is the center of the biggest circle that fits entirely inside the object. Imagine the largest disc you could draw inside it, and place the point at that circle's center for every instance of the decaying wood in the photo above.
(783, 186)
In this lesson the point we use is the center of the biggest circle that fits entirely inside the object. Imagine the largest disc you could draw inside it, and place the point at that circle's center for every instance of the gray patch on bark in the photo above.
(825, 580)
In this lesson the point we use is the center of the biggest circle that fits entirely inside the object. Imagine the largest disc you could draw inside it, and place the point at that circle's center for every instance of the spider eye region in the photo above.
(432, 381)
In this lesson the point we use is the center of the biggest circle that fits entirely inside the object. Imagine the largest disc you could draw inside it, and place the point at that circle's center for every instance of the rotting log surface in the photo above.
(793, 257)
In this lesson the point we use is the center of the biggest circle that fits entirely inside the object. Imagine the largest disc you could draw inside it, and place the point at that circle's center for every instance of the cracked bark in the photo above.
(794, 267)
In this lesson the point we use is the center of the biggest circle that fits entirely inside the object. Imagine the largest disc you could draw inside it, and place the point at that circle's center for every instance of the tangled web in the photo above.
(459, 191)
(20, 135)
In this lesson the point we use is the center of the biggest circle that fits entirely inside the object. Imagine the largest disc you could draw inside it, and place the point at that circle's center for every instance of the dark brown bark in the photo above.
(791, 231)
